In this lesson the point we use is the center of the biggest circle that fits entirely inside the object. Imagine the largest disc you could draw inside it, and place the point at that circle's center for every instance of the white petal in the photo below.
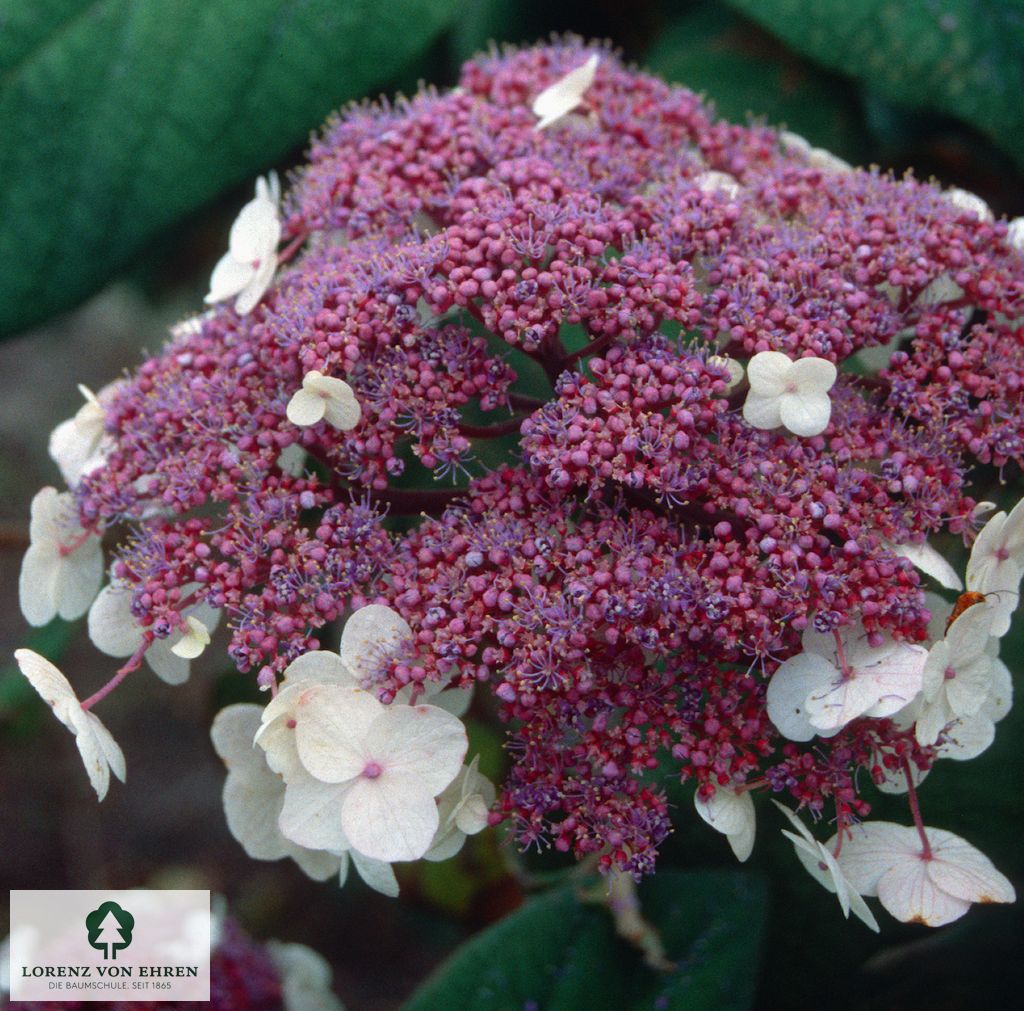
(232, 734)
(968, 737)
(37, 584)
(1000, 697)
(762, 412)
(931, 563)
(193, 641)
(788, 691)
(1015, 234)
(229, 278)
(376, 873)
(318, 667)
(81, 573)
(727, 811)
(343, 413)
(261, 280)
(316, 864)
(389, 818)
(255, 232)
(967, 201)
(420, 743)
(332, 731)
(742, 843)
(305, 978)
(311, 815)
(964, 871)
(112, 628)
(907, 892)
(166, 665)
(768, 373)
(306, 408)
(872, 849)
(565, 94)
(370, 637)
(805, 414)
(813, 375)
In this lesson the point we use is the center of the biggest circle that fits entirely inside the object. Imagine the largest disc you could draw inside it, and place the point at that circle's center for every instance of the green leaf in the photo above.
(958, 57)
(743, 71)
(556, 953)
(119, 117)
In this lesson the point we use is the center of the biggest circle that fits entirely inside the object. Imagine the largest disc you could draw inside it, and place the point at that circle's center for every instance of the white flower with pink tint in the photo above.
(63, 567)
(324, 398)
(932, 884)
(247, 268)
(789, 393)
(996, 564)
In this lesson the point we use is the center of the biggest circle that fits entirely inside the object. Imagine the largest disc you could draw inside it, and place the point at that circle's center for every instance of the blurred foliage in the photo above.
(120, 118)
(559, 954)
(958, 57)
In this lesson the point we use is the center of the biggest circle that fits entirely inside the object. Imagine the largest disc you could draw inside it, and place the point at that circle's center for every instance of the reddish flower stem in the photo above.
(915, 811)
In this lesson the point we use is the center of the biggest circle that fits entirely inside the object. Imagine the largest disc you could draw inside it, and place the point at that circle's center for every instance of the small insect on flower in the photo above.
(964, 601)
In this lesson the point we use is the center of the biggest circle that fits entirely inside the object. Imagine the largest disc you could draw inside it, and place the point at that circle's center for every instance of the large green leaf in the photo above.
(710, 49)
(118, 117)
(556, 953)
(964, 58)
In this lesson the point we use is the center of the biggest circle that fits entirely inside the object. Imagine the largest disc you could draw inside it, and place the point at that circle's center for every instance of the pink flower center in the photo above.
(372, 770)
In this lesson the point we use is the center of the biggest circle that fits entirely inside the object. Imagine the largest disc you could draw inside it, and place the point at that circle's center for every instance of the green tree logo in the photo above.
(110, 928)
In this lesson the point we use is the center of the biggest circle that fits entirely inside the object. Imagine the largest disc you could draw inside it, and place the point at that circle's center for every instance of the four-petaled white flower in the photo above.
(247, 268)
(888, 860)
(63, 567)
(730, 812)
(814, 693)
(789, 393)
(114, 631)
(958, 673)
(964, 200)
(369, 773)
(462, 811)
(924, 557)
(98, 749)
(997, 563)
(77, 445)
(821, 864)
(324, 398)
(560, 98)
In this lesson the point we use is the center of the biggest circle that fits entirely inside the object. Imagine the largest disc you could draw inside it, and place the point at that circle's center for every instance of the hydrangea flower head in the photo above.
(492, 416)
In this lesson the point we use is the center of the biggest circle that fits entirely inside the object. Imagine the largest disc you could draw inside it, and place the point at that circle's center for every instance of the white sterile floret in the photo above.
(821, 864)
(996, 564)
(374, 772)
(924, 557)
(789, 393)
(63, 567)
(968, 736)
(77, 445)
(1015, 234)
(305, 978)
(733, 367)
(967, 201)
(114, 631)
(324, 398)
(195, 639)
(718, 182)
(372, 637)
(462, 811)
(732, 813)
(565, 94)
(254, 795)
(958, 673)
(98, 749)
(888, 860)
(247, 268)
(813, 693)
(818, 157)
